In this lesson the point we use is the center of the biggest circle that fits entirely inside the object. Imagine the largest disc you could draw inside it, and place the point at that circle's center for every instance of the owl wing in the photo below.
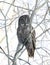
(33, 38)
(31, 45)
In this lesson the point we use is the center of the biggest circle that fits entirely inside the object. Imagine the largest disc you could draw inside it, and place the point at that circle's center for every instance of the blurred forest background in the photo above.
(10, 11)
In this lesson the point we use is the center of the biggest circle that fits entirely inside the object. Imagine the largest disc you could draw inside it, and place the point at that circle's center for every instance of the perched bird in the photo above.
(26, 34)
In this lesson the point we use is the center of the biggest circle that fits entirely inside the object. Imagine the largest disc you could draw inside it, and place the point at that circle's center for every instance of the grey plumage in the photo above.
(25, 34)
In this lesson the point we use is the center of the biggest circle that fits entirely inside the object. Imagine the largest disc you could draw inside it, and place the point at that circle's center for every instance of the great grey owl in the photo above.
(26, 34)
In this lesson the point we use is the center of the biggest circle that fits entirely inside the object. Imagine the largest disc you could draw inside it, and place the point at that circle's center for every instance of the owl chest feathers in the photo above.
(23, 33)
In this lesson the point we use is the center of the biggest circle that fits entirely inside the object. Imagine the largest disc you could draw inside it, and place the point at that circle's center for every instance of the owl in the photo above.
(26, 34)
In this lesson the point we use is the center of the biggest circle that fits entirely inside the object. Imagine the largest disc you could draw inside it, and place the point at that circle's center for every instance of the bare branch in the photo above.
(43, 33)
(24, 61)
(6, 54)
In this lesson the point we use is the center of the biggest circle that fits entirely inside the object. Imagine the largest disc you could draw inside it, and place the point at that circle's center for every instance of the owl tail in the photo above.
(30, 52)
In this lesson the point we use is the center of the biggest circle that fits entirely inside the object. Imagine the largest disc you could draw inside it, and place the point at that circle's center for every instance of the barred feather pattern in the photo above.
(26, 34)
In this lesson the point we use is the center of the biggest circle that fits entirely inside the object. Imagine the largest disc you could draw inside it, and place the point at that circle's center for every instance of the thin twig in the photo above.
(43, 33)
(24, 61)
(6, 54)
(43, 19)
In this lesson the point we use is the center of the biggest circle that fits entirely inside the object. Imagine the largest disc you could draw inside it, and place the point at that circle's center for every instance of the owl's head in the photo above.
(24, 20)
